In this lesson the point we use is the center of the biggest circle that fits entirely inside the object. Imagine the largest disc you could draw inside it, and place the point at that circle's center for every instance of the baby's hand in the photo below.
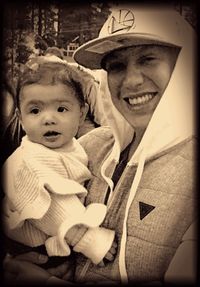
(110, 255)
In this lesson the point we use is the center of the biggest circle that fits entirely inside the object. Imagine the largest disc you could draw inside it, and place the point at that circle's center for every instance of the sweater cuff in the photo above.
(95, 243)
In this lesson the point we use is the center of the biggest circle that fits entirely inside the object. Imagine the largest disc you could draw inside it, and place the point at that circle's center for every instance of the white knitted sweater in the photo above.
(43, 195)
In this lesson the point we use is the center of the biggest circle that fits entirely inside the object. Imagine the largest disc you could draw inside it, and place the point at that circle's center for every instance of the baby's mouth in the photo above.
(51, 134)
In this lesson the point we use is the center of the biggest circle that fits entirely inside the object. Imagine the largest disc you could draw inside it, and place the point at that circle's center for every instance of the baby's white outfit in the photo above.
(44, 195)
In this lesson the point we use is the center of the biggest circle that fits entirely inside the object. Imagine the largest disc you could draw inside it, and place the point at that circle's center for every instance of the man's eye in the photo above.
(62, 109)
(115, 67)
(34, 111)
(147, 59)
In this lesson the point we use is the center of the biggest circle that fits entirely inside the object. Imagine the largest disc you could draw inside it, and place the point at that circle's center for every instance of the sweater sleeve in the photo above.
(26, 234)
(30, 185)
(183, 267)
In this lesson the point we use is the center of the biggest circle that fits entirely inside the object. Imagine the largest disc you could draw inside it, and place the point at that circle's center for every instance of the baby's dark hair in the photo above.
(40, 71)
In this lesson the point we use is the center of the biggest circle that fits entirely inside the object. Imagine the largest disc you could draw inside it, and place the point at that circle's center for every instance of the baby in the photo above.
(44, 177)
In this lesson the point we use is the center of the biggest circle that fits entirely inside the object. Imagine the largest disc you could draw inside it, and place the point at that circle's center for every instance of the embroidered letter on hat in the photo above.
(121, 20)
(145, 209)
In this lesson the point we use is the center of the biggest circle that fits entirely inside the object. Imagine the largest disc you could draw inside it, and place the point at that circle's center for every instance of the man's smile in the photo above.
(139, 101)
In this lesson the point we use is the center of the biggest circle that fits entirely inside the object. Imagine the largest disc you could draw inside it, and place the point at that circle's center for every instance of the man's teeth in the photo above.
(140, 100)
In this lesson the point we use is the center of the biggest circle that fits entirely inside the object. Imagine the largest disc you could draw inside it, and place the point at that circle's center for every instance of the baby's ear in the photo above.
(84, 111)
(18, 114)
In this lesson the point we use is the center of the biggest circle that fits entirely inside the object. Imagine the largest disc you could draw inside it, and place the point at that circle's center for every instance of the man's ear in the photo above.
(84, 111)
(18, 114)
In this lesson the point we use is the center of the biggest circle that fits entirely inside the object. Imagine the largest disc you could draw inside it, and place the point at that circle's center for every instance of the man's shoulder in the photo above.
(188, 148)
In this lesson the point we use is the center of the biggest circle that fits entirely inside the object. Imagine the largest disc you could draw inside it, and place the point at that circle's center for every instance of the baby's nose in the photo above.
(49, 119)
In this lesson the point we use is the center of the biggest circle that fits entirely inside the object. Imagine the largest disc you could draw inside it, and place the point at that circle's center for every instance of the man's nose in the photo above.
(134, 77)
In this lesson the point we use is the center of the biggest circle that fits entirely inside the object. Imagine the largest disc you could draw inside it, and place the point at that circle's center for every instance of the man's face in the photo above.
(137, 79)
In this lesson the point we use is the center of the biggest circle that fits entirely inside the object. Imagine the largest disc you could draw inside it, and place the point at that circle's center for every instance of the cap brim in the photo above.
(90, 54)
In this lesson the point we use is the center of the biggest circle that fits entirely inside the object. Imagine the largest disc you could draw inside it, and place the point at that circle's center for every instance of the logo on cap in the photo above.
(122, 20)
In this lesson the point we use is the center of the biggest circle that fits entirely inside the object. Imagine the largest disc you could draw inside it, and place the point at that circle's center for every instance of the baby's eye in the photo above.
(62, 109)
(34, 111)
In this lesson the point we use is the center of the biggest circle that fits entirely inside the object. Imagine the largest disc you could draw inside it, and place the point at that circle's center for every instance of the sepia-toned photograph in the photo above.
(98, 140)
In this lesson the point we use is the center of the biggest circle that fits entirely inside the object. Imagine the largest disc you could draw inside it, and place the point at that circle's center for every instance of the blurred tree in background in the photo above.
(30, 27)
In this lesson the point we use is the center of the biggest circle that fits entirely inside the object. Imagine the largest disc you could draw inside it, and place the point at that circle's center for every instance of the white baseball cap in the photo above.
(127, 26)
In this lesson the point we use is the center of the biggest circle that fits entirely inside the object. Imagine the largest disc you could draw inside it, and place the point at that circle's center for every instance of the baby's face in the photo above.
(50, 114)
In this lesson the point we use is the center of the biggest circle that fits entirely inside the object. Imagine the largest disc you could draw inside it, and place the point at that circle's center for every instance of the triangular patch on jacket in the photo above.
(145, 209)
